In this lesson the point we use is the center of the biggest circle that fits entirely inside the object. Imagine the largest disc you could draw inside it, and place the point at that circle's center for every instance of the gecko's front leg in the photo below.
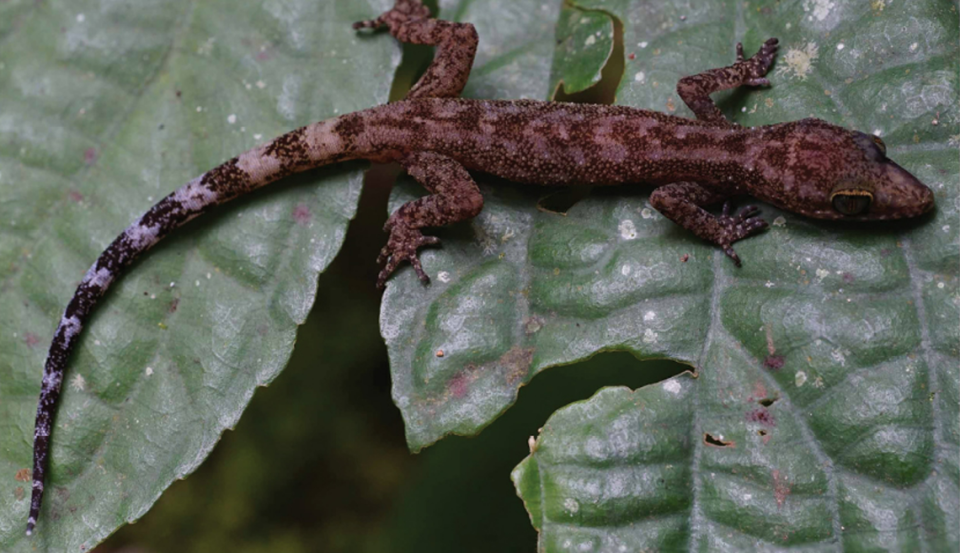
(454, 197)
(683, 202)
(409, 21)
(695, 90)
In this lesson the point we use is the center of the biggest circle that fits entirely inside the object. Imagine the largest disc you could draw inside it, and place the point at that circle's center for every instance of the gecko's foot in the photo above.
(760, 63)
(402, 10)
(737, 227)
(402, 246)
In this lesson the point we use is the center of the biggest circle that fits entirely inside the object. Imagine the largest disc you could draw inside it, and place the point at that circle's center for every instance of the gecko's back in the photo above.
(546, 142)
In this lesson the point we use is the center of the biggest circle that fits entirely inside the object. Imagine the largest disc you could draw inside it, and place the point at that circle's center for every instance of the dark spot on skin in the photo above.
(226, 179)
(292, 151)
(174, 304)
(301, 214)
(90, 156)
(774, 362)
(710, 441)
(761, 415)
(31, 339)
(75, 196)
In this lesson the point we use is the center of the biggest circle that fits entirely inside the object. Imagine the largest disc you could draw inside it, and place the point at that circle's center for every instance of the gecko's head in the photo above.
(835, 173)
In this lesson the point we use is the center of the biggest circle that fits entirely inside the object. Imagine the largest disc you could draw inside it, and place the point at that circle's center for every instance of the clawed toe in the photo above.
(737, 227)
(760, 63)
(402, 246)
(366, 24)
(732, 255)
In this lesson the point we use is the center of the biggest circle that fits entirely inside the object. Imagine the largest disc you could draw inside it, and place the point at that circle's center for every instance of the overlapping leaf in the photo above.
(104, 108)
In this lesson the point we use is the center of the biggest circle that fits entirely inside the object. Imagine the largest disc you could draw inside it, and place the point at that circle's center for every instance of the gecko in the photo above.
(809, 167)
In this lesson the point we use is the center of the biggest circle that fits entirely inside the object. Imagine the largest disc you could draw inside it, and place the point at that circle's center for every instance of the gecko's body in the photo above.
(809, 167)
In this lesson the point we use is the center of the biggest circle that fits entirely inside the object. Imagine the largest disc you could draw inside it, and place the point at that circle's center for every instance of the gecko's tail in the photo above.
(299, 150)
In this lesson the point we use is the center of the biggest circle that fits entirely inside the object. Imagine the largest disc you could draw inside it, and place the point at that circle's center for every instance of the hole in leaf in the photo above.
(767, 402)
(708, 439)
(762, 432)
(605, 90)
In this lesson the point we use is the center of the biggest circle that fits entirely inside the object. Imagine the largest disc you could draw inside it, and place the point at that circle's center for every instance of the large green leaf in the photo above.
(826, 408)
(104, 108)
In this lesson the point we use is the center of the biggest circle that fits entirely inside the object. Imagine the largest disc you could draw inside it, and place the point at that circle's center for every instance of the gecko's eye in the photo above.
(879, 142)
(852, 202)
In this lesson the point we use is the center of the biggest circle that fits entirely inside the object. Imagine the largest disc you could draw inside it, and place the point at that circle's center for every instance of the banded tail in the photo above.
(305, 148)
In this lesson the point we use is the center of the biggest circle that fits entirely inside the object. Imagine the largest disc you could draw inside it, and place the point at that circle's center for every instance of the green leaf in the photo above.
(105, 108)
(826, 404)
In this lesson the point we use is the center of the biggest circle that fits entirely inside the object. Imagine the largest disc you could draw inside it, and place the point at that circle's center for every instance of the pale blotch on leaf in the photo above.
(800, 378)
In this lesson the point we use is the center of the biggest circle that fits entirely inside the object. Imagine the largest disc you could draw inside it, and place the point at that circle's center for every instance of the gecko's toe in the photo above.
(760, 63)
(417, 268)
(427, 241)
(368, 24)
(737, 227)
(402, 246)
(732, 255)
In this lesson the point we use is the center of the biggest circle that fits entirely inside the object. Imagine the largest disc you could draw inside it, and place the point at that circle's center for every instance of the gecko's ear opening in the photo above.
(851, 202)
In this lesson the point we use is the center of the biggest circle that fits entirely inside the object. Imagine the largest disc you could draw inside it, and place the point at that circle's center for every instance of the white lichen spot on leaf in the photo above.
(800, 378)
(798, 62)
(818, 9)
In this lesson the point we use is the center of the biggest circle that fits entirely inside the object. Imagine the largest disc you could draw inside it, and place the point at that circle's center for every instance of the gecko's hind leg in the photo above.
(454, 197)
(683, 203)
(410, 21)
(696, 89)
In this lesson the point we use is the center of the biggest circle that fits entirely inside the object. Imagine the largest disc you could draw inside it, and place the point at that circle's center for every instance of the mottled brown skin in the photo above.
(809, 167)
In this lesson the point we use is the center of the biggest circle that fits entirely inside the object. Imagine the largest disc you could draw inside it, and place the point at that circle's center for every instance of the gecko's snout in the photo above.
(899, 194)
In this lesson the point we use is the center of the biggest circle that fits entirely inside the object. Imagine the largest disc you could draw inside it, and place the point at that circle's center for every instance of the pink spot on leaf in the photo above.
(763, 416)
(458, 385)
(781, 488)
(301, 214)
(90, 156)
(75, 196)
(774, 362)
(31, 339)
